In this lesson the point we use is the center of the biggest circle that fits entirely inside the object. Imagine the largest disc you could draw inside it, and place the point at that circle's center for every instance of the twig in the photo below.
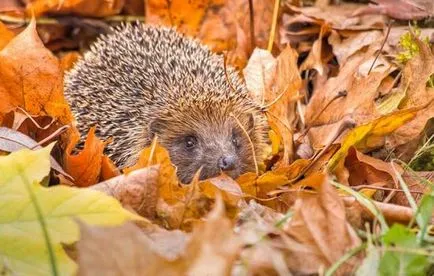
(372, 187)
(252, 25)
(382, 46)
(346, 124)
(251, 144)
(58, 20)
(273, 25)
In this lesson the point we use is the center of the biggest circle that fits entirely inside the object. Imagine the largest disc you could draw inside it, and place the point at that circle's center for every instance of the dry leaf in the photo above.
(31, 78)
(320, 226)
(98, 8)
(213, 247)
(84, 167)
(126, 250)
(5, 35)
(400, 9)
(68, 60)
(137, 190)
(367, 136)
(415, 76)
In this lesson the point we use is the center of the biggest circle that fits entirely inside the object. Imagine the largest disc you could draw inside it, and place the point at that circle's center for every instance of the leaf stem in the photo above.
(41, 220)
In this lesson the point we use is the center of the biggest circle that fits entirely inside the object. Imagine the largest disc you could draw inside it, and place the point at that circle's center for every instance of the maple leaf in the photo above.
(39, 218)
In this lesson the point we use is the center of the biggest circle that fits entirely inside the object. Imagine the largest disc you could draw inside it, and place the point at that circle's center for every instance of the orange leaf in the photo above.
(155, 154)
(95, 8)
(5, 35)
(85, 167)
(108, 169)
(68, 60)
(31, 78)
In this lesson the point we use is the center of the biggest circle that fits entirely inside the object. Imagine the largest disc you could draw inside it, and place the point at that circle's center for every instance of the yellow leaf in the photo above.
(23, 249)
(361, 136)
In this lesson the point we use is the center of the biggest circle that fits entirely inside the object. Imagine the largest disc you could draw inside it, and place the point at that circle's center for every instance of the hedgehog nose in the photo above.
(226, 163)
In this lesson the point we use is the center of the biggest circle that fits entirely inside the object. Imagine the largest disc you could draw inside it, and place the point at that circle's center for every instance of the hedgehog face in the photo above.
(207, 144)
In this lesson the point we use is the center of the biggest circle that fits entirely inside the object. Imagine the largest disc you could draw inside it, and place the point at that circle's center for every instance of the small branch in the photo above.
(382, 46)
(60, 19)
(273, 25)
(252, 25)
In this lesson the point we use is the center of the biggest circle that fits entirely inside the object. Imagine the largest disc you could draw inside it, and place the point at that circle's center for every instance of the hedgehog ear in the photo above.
(155, 127)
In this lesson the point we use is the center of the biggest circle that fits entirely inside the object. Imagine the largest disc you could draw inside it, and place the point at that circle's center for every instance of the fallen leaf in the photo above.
(366, 136)
(275, 83)
(414, 82)
(344, 47)
(137, 190)
(12, 140)
(126, 250)
(108, 169)
(366, 170)
(99, 8)
(348, 95)
(22, 172)
(85, 166)
(317, 58)
(319, 225)
(400, 9)
(211, 249)
(67, 61)
(5, 35)
(31, 78)
(213, 245)
(155, 154)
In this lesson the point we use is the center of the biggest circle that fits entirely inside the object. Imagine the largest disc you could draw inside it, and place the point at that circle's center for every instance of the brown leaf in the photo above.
(31, 78)
(137, 190)
(84, 167)
(317, 58)
(275, 83)
(126, 250)
(401, 9)
(211, 250)
(327, 108)
(320, 226)
(156, 154)
(213, 247)
(415, 76)
(98, 8)
(366, 170)
(344, 47)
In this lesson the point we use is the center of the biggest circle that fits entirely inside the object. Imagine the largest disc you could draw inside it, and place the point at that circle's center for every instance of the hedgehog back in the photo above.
(129, 76)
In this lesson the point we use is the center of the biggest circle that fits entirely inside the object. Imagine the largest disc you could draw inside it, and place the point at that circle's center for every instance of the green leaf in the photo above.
(425, 210)
(401, 262)
(23, 245)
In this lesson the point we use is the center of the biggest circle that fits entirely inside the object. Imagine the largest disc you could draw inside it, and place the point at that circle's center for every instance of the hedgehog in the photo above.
(141, 82)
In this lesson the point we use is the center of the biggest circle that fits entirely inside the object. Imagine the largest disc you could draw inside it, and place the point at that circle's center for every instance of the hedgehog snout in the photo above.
(227, 162)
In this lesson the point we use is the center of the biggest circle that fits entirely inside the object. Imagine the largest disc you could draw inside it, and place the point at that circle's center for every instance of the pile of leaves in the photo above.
(346, 188)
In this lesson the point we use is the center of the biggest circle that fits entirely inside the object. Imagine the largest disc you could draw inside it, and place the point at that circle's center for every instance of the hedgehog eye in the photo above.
(235, 141)
(190, 142)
